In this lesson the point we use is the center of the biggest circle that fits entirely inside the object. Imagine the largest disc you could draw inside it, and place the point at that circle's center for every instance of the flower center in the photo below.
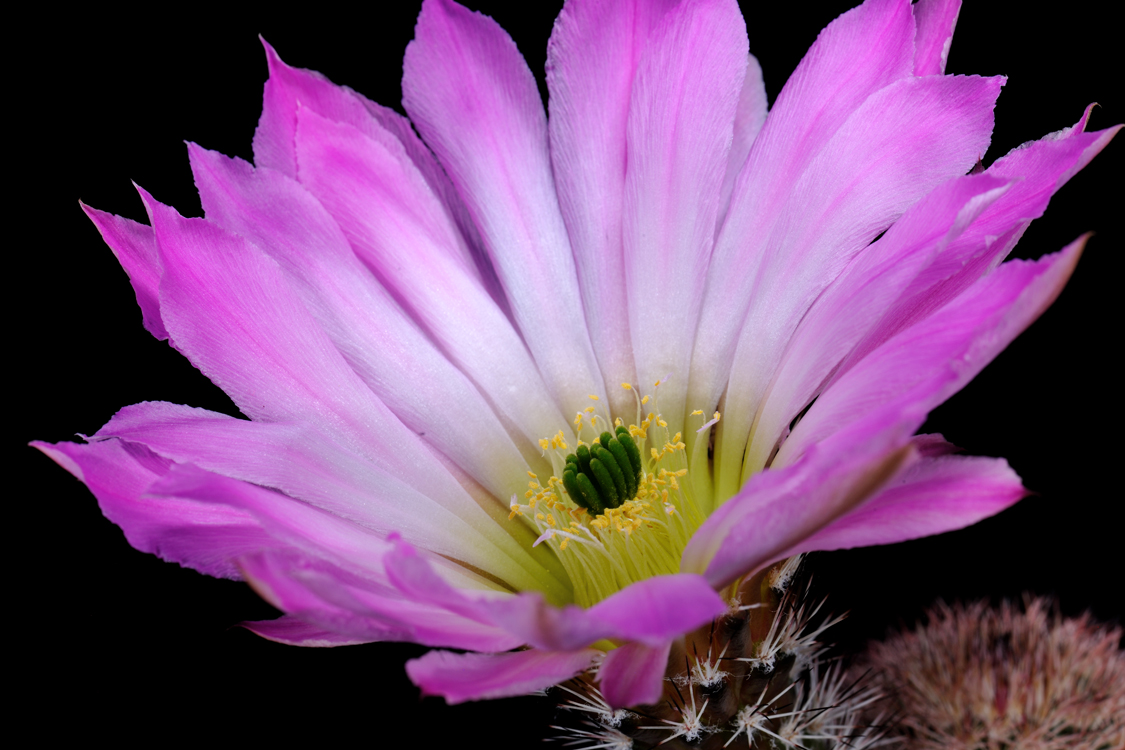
(617, 509)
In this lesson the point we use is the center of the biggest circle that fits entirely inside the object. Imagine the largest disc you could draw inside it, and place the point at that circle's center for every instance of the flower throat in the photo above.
(616, 509)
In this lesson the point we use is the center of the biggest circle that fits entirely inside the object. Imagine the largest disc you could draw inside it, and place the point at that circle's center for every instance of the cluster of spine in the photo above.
(754, 678)
(978, 678)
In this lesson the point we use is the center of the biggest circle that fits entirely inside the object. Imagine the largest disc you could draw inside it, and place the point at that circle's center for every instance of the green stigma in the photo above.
(604, 475)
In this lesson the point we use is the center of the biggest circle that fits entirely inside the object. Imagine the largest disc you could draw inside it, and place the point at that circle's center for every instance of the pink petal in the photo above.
(932, 496)
(385, 347)
(294, 632)
(901, 143)
(780, 507)
(198, 535)
(135, 248)
(409, 236)
(681, 120)
(650, 611)
(859, 53)
(1036, 170)
(633, 674)
(229, 307)
(591, 63)
(473, 99)
(335, 602)
(935, 358)
(935, 21)
(311, 467)
(467, 677)
(748, 121)
(655, 609)
(291, 89)
(331, 534)
(856, 301)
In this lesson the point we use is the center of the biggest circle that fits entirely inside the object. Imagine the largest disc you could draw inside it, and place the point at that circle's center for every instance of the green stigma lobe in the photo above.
(589, 494)
(603, 475)
(608, 460)
(631, 450)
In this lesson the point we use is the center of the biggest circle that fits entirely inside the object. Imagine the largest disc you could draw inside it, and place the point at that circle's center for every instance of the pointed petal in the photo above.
(932, 360)
(634, 674)
(650, 611)
(228, 306)
(748, 121)
(1036, 170)
(900, 144)
(408, 240)
(681, 120)
(198, 535)
(294, 632)
(135, 248)
(471, 96)
(935, 21)
(385, 347)
(856, 300)
(655, 609)
(289, 90)
(932, 496)
(311, 467)
(333, 601)
(467, 677)
(859, 53)
(591, 63)
(780, 507)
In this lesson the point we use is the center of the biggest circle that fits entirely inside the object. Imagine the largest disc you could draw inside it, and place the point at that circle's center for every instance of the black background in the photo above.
(107, 641)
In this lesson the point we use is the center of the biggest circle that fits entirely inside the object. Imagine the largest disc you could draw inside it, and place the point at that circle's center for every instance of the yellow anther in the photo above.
(533, 485)
(697, 413)
(644, 400)
(563, 543)
(540, 516)
(544, 444)
(661, 422)
(593, 397)
(656, 384)
(550, 520)
(627, 386)
(717, 416)
(529, 493)
(655, 455)
(676, 438)
(589, 410)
